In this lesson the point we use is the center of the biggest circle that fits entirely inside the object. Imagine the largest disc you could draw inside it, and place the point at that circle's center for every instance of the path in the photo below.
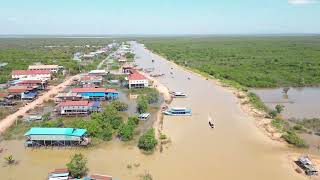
(10, 120)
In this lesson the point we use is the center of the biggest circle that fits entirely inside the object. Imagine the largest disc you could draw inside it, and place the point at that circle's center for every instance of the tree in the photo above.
(120, 106)
(107, 132)
(273, 113)
(111, 115)
(279, 108)
(46, 117)
(142, 104)
(148, 141)
(133, 120)
(78, 166)
(126, 131)
(9, 159)
(153, 97)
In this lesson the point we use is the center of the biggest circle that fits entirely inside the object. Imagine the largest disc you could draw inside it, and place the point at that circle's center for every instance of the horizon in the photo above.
(144, 17)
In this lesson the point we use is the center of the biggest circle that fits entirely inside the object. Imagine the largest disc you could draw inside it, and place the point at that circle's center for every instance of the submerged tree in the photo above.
(148, 141)
(9, 159)
(78, 166)
(279, 108)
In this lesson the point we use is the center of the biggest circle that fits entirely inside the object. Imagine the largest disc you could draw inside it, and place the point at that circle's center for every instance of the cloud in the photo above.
(302, 2)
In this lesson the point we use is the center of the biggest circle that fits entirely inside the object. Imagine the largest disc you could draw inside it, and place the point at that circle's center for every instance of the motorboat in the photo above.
(177, 94)
(211, 124)
(178, 111)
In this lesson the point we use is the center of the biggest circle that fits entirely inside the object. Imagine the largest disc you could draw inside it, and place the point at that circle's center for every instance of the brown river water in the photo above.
(235, 149)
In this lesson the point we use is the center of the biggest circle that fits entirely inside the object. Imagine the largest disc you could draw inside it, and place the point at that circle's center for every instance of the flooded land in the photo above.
(235, 149)
(298, 103)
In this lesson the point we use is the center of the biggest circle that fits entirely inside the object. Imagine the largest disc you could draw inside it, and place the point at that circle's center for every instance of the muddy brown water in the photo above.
(299, 102)
(235, 149)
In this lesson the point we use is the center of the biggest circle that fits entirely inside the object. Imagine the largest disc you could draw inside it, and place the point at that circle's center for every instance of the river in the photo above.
(235, 149)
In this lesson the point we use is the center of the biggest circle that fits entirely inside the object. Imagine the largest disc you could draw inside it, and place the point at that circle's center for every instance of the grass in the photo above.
(256, 102)
(249, 61)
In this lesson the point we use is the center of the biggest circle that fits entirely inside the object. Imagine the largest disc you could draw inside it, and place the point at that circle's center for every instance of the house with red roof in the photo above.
(79, 107)
(32, 74)
(137, 80)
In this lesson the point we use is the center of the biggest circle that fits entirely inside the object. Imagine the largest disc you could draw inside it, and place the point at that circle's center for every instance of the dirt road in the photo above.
(9, 120)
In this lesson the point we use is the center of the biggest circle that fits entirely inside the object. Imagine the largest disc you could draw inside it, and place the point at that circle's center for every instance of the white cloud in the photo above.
(302, 2)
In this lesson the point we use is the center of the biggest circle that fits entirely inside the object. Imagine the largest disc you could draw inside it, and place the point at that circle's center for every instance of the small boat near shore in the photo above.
(178, 111)
(156, 75)
(211, 123)
(177, 94)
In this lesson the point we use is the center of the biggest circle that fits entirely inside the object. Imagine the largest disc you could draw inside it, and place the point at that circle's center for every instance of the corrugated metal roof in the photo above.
(74, 103)
(43, 66)
(56, 131)
(30, 72)
(136, 76)
(82, 90)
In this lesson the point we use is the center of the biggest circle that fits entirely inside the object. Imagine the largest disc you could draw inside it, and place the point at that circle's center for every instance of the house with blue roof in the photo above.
(38, 136)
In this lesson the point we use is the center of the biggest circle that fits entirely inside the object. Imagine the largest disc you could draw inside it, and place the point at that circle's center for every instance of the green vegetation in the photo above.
(148, 141)
(126, 130)
(142, 104)
(78, 166)
(313, 123)
(250, 61)
(21, 52)
(9, 160)
(256, 101)
(130, 56)
(120, 106)
(292, 138)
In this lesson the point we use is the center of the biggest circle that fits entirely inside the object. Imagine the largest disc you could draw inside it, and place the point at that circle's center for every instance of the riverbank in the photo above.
(261, 122)
(165, 92)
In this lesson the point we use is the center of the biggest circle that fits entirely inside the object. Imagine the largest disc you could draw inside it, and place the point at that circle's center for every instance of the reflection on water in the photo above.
(235, 149)
(298, 102)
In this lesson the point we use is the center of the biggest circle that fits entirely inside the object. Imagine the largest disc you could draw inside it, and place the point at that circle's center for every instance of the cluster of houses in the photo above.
(85, 99)
(120, 54)
(95, 54)
(26, 84)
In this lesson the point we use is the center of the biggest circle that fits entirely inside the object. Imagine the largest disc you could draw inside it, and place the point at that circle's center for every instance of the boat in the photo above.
(177, 111)
(144, 116)
(176, 94)
(211, 124)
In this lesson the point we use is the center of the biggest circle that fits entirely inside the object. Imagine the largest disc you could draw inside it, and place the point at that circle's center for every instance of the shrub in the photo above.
(148, 141)
(120, 106)
(126, 131)
(77, 166)
(292, 138)
(111, 115)
(142, 104)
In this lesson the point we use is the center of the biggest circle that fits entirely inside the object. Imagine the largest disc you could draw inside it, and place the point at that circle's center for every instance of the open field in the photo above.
(251, 61)
(21, 52)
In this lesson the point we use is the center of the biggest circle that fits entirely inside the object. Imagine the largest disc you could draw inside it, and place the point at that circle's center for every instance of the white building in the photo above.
(52, 68)
(31, 74)
(137, 80)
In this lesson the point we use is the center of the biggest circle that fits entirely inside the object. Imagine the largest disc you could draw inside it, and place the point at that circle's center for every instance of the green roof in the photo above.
(56, 131)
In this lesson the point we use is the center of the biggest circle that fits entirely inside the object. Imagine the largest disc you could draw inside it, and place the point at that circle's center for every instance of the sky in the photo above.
(159, 17)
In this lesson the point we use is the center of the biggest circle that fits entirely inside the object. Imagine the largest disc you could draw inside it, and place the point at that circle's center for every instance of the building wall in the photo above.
(38, 76)
(54, 138)
(139, 83)
(74, 109)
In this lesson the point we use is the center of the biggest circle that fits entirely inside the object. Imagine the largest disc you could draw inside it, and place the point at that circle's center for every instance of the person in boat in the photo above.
(211, 124)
